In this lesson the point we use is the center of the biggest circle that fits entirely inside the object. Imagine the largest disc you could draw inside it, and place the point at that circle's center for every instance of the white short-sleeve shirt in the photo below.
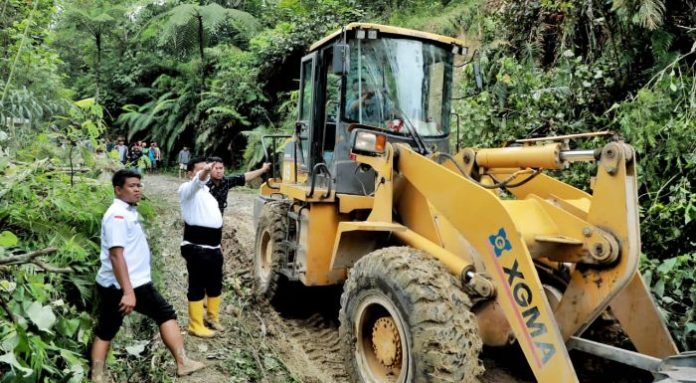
(121, 227)
(198, 206)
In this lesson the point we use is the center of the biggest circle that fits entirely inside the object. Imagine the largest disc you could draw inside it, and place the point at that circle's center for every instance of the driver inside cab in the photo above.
(367, 106)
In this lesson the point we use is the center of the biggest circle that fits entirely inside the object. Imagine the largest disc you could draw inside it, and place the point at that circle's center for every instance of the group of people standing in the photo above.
(139, 155)
(124, 281)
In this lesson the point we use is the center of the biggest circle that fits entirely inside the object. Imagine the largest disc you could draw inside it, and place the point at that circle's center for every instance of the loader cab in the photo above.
(371, 76)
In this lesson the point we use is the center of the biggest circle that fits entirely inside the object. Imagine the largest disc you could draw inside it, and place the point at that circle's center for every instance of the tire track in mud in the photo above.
(317, 342)
(305, 336)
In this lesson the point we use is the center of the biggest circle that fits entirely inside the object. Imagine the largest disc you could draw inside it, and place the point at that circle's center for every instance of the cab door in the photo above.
(306, 112)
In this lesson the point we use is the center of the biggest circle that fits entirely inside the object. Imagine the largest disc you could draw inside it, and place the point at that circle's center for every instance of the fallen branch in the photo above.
(254, 352)
(47, 267)
(31, 258)
(26, 258)
(68, 170)
(7, 310)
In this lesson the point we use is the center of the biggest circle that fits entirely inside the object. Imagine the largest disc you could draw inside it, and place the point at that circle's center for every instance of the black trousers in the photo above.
(148, 302)
(204, 271)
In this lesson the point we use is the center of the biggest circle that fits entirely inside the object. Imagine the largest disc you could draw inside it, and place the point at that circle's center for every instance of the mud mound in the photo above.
(232, 247)
(238, 267)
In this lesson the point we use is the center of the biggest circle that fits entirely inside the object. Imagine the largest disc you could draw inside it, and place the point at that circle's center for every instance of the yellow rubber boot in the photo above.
(195, 325)
(212, 319)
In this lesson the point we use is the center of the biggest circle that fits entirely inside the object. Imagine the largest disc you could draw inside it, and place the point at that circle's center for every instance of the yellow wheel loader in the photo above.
(441, 253)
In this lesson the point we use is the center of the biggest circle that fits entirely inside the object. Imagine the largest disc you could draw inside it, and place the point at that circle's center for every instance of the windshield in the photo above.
(396, 82)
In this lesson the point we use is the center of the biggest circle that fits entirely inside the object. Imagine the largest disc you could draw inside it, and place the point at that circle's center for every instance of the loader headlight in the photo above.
(368, 142)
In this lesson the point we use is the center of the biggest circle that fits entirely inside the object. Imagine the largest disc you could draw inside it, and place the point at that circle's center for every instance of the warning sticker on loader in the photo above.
(518, 292)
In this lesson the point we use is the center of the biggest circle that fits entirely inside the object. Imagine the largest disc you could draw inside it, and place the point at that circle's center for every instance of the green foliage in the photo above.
(299, 24)
(647, 13)
(51, 325)
(30, 81)
(166, 117)
(464, 19)
(232, 101)
(660, 122)
(48, 334)
(46, 302)
(674, 287)
(94, 18)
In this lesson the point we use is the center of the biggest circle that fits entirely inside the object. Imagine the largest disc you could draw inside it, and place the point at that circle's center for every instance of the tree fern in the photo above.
(646, 13)
(650, 13)
(96, 18)
(180, 25)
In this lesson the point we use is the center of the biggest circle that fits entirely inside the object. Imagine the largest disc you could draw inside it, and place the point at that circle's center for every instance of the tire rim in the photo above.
(264, 257)
(382, 351)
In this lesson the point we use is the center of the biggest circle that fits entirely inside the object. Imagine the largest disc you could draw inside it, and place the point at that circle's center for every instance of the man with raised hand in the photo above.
(220, 184)
(124, 281)
(201, 249)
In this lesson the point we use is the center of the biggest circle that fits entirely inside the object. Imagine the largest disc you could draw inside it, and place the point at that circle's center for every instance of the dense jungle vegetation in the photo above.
(216, 75)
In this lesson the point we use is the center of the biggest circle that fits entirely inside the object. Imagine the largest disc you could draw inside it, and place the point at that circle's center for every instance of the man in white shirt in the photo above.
(201, 249)
(124, 284)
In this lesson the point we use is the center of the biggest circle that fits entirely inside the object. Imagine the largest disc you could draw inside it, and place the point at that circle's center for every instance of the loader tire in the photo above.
(404, 318)
(270, 255)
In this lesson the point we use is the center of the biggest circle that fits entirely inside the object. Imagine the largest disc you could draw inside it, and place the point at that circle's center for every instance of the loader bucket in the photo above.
(677, 369)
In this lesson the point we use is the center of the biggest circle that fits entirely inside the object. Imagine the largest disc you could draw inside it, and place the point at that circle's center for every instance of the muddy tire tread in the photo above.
(274, 215)
(445, 342)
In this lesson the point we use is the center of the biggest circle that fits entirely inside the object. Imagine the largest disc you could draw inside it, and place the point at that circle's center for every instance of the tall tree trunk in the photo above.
(201, 46)
(97, 65)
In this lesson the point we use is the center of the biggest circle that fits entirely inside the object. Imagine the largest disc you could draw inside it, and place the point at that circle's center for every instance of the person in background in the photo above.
(122, 151)
(158, 155)
(201, 249)
(183, 158)
(220, 185)
(144, 163)
(124, 281)
(136, 152)
(151, 153)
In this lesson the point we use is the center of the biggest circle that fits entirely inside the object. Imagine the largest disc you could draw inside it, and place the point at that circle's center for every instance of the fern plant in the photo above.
(646, 13)
(97, 19)
(189, 27)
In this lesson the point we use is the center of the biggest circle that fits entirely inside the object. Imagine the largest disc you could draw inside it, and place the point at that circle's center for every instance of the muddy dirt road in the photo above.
(257, 339)
(260, 344)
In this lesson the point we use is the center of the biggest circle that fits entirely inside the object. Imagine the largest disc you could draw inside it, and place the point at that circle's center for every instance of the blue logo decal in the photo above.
(500, 242)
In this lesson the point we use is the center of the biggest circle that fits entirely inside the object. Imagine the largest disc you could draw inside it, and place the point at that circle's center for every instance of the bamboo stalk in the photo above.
(19, 51)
